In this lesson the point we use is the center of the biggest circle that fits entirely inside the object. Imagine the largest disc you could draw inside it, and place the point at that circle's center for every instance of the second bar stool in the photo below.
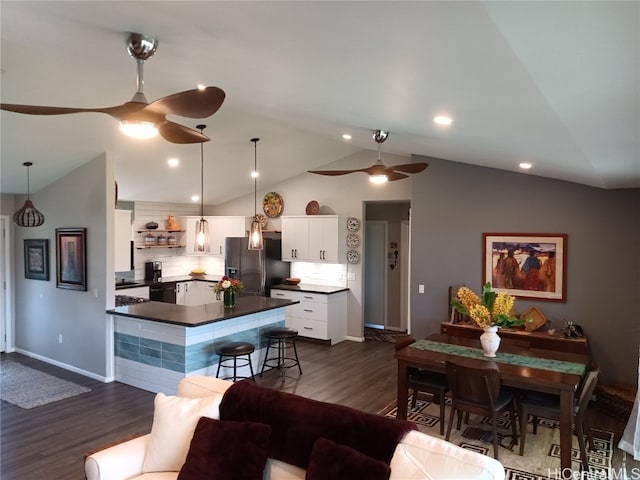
(229, 352)
(281, 339)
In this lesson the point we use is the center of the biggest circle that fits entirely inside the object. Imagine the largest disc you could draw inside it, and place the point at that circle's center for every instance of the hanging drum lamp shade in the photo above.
(28, 215)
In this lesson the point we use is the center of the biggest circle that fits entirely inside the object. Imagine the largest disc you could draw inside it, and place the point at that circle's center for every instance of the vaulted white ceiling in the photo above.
(555, 84)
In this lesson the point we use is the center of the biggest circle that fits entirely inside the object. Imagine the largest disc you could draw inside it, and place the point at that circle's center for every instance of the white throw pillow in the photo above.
(174, 421)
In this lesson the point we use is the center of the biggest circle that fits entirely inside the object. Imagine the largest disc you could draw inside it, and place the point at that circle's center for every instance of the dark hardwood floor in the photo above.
(49, 442)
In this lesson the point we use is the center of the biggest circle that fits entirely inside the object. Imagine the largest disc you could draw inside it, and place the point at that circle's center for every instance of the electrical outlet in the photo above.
(420, 288)
(60, 338)
(351, 276)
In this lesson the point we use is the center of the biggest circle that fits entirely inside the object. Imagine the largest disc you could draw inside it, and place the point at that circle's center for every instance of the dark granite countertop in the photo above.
(306, 287)
(188, 316)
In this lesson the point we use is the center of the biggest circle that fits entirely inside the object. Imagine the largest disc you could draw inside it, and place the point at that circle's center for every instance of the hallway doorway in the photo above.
(386, 265)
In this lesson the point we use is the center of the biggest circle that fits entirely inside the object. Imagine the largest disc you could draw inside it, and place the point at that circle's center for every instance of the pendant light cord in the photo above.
(201, 128)
(255, 177)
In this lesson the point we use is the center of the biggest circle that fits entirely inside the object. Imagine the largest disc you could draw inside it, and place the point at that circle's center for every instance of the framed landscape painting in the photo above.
(71, 258)
(528, 265)
(36, 259)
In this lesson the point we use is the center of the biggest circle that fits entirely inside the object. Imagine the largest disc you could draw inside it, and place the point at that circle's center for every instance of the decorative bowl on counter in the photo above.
(292, 281)
(151, 226)
(197, 272)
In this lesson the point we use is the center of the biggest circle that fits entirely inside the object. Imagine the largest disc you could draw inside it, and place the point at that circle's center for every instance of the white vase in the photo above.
(490, 341)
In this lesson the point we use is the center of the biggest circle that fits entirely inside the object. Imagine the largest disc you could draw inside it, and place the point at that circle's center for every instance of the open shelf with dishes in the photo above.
(155, 238)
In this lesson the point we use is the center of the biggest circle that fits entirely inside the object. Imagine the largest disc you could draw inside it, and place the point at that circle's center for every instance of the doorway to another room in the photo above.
(386, 266)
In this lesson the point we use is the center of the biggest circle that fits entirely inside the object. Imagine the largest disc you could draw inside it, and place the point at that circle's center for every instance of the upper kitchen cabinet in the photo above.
(123, 234)
(319, 238)
(219, 229)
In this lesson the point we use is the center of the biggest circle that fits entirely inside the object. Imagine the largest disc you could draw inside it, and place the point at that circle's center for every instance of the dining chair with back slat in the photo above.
(478, 391)
(546, 405)
(433, 383)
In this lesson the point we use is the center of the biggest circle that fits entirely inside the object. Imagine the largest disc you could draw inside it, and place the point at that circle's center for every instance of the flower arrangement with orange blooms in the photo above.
(230, 284)
(490, 310)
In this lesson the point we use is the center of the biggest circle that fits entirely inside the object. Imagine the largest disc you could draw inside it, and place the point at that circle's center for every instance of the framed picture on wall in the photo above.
(71, 258)
(36, 259)
(527, 265)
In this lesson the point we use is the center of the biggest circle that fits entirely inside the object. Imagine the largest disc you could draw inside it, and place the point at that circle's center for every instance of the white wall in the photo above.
(342, 195)
(42, 311)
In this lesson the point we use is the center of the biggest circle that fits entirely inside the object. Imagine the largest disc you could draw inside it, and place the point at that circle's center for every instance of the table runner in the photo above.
(502, 357)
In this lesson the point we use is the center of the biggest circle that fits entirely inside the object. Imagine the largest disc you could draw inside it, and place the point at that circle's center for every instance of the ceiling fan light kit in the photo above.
(138, 129)
(28, 215)
(139, 118)
(380, 173)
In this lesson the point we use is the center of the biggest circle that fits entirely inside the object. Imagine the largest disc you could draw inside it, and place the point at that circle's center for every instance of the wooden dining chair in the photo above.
(538, 404)
(478, 391)
(419, 380)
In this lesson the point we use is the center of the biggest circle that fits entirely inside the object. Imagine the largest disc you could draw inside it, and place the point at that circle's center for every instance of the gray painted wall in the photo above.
(42, 311)
(453, 204)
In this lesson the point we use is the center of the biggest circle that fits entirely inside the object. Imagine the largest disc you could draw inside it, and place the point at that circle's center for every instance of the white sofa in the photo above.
(417, 456)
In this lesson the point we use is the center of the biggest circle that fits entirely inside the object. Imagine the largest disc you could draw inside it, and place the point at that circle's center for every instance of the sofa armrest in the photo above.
(422, 457)
(119, 462)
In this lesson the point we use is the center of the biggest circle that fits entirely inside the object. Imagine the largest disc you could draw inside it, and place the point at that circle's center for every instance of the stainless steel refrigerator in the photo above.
(258, 270)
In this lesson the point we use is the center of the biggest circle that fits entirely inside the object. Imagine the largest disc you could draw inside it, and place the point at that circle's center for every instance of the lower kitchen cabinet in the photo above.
(318, 315)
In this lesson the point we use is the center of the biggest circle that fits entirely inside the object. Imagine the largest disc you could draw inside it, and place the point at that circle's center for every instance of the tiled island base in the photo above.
(155, 356)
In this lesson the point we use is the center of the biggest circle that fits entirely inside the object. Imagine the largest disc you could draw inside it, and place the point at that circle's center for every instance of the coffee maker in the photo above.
(153, 271)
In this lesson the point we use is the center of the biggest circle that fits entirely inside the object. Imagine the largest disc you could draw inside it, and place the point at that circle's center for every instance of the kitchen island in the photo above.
(156, 344)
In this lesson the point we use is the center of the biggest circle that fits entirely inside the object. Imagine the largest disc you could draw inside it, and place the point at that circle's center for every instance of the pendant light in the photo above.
(201, 244)
(255, 235)
(28, 215)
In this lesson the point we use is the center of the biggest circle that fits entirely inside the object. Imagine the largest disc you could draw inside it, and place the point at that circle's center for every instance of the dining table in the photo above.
(520, 365)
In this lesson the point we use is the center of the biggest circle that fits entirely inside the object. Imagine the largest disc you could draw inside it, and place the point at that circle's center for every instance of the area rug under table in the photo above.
(541, 460)
(28, 388)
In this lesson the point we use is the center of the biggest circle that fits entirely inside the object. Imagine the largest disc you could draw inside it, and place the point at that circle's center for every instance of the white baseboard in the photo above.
(71, 368)
(355, 339)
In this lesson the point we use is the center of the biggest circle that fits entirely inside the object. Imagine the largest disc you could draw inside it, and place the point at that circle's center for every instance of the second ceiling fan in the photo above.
(138, 112)
(380, 173)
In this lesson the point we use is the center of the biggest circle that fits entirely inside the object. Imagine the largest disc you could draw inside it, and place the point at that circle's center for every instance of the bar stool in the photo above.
(229, 352)
(281, 339)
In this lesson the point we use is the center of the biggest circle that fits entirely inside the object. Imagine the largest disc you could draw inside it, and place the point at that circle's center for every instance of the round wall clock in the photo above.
(272, 205)
(353, 256)
(353, 224)
(353, 240)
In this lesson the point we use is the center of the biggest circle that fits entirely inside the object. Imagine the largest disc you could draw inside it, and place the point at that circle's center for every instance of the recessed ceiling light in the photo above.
(195, 198)
(201, 86)
(255, 174)
(525, 165)
(346, 136)
(442, 120)
(173, 162)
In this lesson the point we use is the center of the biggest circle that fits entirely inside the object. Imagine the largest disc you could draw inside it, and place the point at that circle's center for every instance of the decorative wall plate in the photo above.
(353, 240)
(272, 205)
(353, 224)
(353, 256)
(313, 208)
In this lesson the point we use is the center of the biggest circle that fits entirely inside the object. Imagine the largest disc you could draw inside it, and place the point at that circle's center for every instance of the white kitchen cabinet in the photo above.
(194, 293)
(318, 315)
(182, 289)
(123, 235)
(219, 229)
(295, 238)
(318, 238)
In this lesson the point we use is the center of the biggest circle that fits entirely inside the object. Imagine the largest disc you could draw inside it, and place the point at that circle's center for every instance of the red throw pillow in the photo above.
(226, 449)
(330, 460)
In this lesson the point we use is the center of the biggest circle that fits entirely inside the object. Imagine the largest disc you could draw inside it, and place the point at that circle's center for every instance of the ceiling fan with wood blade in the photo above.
(380, 173)
(138, 117)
